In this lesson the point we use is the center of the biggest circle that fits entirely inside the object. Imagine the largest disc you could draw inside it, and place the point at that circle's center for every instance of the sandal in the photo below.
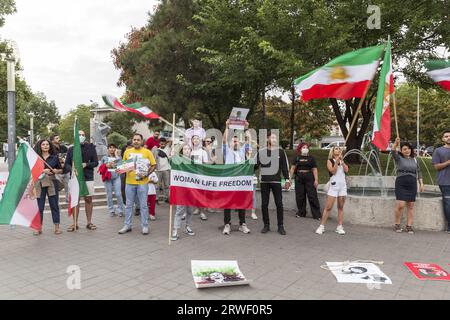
(58, 231)
(72, 228)
(91, 226)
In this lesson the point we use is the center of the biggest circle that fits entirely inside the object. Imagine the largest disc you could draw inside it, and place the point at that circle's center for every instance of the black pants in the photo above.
(265, 196)
(227, 216)
(54, 206)
(304, 186)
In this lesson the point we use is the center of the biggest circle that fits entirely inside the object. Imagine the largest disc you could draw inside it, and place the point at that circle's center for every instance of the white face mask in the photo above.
(82, 139)
(304, 151)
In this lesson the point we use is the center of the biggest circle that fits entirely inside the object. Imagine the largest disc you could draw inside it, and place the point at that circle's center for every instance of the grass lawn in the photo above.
(322, 155)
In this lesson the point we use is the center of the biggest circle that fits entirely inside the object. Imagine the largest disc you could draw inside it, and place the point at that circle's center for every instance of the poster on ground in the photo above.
(3, 179)
(357, 272)
(217, 273)
(427, 271)
(237, 118)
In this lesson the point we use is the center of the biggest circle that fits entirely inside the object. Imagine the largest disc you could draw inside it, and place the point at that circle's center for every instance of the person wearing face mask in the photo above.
(306, 181)
(90, 161)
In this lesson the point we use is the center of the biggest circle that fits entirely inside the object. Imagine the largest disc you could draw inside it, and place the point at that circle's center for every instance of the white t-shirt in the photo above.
(199, 156)
(200, 132)
(152, 181)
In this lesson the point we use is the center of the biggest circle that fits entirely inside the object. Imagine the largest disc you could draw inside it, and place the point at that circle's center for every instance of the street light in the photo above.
(11, 79)
(31, 115)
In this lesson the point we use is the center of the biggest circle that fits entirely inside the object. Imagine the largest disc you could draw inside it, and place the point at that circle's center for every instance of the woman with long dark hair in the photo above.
(47, 185)
(408, 173)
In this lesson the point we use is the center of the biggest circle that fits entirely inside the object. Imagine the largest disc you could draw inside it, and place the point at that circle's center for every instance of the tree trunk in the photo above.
(292, 117)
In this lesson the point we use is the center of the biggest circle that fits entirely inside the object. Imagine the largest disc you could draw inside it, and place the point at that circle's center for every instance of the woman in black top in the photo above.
(47, 184)
(306, 181)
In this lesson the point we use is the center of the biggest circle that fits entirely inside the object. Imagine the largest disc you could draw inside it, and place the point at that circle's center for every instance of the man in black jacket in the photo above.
(272, 162)
(90, 161)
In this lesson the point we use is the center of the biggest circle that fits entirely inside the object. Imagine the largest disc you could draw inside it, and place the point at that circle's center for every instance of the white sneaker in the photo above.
(145, 230)
(174, 236)
(320, 229)
(196, 211)
(210, 210)
(243, 228)
(340, 230)
(227, 229)
(254, 216)
(153, 218)
(125, 229)
(189, 231)
(203, 216)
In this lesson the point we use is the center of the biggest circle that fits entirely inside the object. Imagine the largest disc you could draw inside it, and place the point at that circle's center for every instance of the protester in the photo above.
(151, 195)
(162, 157)
(233, 153)
(153, 141)
(408, 172)
(441, 162)
(199, 156)
(90, 161)
(248, 156)
(61, 151)
(137, 183)
(113, 182)
(337, 169)
(306, 181)
(47, 185)
(273, 163)
(195, 130)
(123, 176)
(183, 212)
(56, 141)
(210, 150)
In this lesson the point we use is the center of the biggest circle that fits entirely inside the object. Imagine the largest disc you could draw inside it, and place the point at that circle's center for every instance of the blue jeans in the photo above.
(132, 192)
(114, 184)
(446, 202)
(54, 206)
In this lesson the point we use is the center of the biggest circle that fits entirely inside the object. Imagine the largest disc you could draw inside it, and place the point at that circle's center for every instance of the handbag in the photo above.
(59, 182)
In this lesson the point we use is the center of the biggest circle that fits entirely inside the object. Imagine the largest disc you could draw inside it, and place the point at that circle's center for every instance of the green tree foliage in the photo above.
(118, 139)
(83, 112)
(121, 123)
(7, 7)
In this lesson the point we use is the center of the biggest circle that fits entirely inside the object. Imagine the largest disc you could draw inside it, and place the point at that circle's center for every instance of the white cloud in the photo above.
(65, 46)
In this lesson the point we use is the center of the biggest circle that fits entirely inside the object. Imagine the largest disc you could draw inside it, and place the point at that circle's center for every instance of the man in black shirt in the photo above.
(272, 162)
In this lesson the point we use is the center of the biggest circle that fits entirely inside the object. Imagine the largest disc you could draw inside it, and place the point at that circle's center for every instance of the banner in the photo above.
(209, 274)
(356, 272)
(427, 271)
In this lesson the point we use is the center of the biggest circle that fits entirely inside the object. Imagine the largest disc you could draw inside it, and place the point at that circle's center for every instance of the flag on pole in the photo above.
(18, 205)
(381, 133)
(77, 184)
(439, 71)
(136, 108)
(228, 186)
(344, 77)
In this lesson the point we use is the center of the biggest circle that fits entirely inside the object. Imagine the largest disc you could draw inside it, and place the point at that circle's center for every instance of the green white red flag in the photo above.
(439, 71)
(344, 77)
(228, 186)
(136, 108)
(381, 133)
(19, 205)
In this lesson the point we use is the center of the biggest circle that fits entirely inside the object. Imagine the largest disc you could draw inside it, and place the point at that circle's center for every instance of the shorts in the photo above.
(90, 187)
(337, 189)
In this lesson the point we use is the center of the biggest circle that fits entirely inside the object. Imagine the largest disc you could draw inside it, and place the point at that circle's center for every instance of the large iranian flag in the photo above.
(18, 205)
(344, 77)
(381, 133)
(228, 186)
(136, 108)
(439, 71)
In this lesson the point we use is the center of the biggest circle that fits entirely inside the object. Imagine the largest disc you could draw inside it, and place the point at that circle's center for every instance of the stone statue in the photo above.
(101, 130)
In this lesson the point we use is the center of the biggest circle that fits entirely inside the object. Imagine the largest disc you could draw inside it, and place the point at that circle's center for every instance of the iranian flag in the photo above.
(136, 108)
(381, 133)
(18, 205)
(439, 71)
(344, 77)
(228, 186)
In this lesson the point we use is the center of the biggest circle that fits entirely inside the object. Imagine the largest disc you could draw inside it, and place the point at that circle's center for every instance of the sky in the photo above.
(65, 46)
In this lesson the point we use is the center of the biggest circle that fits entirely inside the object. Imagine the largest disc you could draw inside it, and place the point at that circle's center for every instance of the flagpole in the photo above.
(418, 118)
(355, 115)
(395, 114)
(171, 206)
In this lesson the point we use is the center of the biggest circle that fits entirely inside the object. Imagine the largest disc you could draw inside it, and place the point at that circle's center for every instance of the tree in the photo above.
(83, 113)
(7, 7)
(121, 123)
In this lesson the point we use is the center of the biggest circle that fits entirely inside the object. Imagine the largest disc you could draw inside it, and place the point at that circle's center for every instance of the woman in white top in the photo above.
(151, 195)
(199, 156)
(337, 190)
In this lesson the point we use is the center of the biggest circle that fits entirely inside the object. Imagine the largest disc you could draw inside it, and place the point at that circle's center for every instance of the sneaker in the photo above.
(409, 229)
(265, 229)
(174, 236)
(196, 211)
(243, 228)
(152, 217)
(398, 228)
(125, 229)
(183, 216)
(281, 230)
(340, 230)
(320, 229)
(254, 216)
(189, 231)
(203, 216)
(120, 214)
(144, 230)
(226, 229)
(210, 210)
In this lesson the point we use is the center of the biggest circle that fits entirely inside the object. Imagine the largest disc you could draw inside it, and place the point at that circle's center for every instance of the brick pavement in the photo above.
(134, 266)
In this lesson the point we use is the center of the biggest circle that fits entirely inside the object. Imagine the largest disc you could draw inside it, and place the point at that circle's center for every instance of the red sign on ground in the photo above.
(428, 271)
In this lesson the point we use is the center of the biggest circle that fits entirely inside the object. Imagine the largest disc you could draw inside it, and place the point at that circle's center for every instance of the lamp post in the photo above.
(11, 87)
